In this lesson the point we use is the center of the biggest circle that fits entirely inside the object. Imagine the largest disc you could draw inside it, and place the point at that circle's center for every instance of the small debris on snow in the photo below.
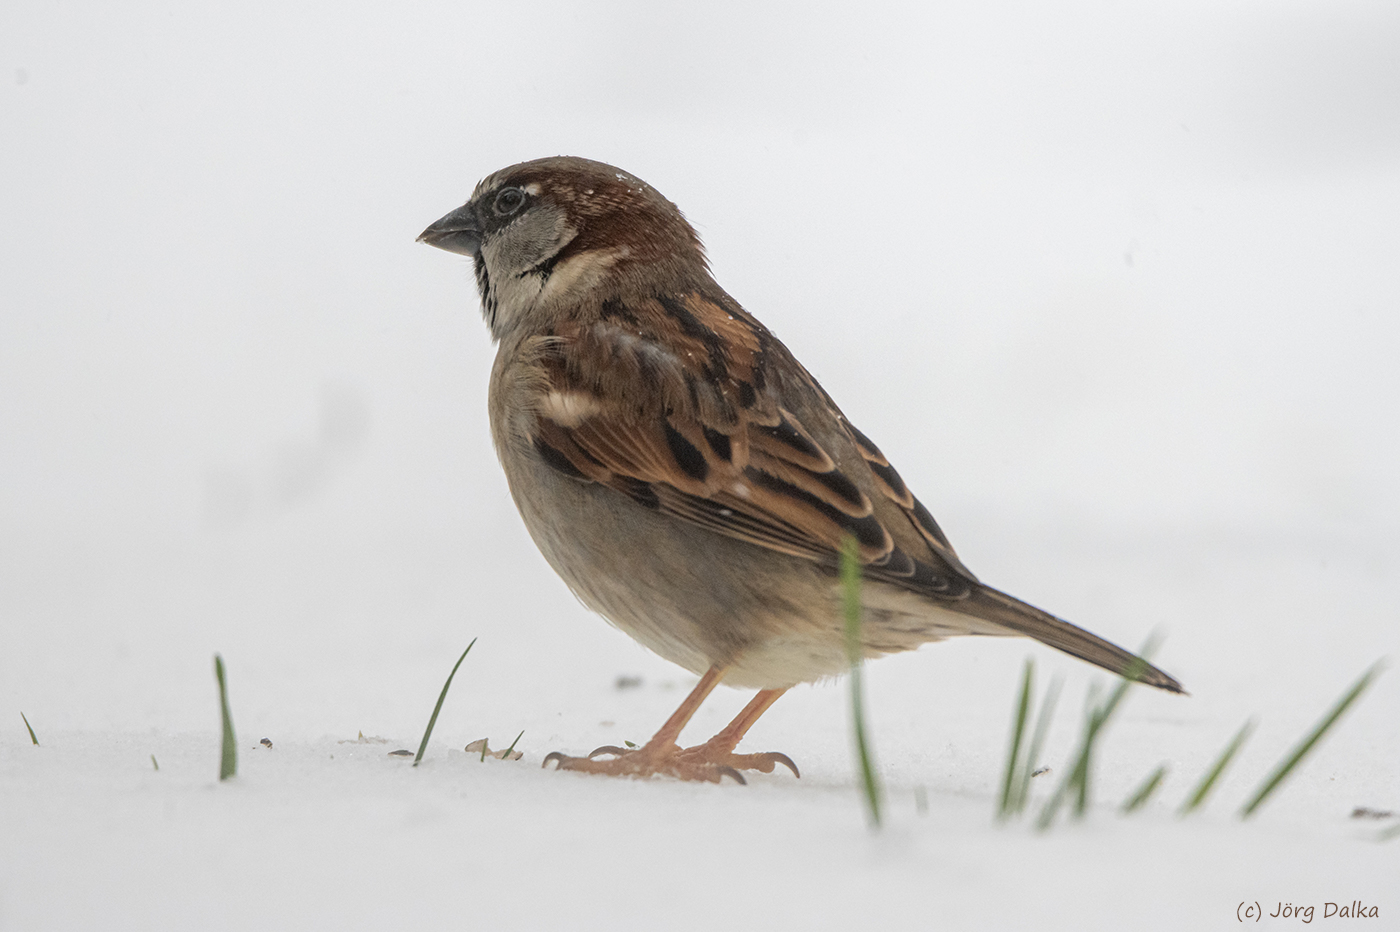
(363, 740)
(1366, 812)
(482, 746)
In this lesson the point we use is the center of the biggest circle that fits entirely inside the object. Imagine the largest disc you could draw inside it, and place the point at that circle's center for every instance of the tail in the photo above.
(1030, 621)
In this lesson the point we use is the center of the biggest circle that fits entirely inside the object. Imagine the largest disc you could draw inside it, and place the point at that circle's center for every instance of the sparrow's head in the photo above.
(555, 234)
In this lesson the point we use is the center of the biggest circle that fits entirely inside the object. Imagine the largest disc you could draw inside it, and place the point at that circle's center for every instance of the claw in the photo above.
(554, 756)
(607, 749)
(726, 771)
(781, 758)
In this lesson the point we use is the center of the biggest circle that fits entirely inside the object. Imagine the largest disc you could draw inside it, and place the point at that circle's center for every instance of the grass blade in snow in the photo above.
(1042, 727)
(506, 755)
(850, 599)
(1018, 728)
(1208, 780)
(1077, 781)
(31, 730)
(228, 753)
(1020, 766)
(1144, 792)
(428, 732)
(1286, 766)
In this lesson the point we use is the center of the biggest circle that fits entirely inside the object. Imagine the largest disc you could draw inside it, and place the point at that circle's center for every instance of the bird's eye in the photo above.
(508, 202)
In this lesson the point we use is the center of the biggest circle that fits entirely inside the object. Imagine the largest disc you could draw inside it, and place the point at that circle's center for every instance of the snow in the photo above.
(1114, 288)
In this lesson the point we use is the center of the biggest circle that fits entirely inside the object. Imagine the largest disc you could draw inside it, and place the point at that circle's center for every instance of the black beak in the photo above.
(459, 232)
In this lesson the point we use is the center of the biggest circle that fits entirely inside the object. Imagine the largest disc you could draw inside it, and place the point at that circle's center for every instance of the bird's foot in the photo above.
(708, 762)
(644, 761)
(716, 752)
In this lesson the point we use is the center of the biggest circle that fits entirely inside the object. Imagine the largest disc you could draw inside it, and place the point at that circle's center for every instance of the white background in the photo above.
(1114, 287)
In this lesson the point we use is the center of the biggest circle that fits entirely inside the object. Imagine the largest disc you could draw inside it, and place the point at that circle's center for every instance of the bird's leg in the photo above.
(661, 754)
(719, 750)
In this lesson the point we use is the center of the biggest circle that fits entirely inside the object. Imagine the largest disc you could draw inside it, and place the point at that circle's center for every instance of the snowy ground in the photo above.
(1114, 289)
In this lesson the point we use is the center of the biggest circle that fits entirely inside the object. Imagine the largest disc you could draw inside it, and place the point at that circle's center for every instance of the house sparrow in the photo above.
(685, 475)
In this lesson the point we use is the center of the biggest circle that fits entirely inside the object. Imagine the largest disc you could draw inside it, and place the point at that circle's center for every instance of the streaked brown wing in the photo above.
(716, 446)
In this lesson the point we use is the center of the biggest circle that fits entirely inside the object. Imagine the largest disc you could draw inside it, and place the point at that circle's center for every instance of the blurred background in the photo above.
(1114, 286)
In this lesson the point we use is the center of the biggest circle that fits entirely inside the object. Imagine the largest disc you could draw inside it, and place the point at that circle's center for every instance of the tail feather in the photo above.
(1012, 613)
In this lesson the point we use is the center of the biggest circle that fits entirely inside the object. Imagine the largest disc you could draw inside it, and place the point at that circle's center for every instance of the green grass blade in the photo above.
(1083, 771)
(1144, 792)
(506, 755)
(428, 732)
(1082, 767)
(1052, 805)
(1285, 766)
(1042, 728)
(1018, 728)
(1077, 781)
(31, 730)
(1129, 677)
(850, 600)
(228, 752)
(153, 762)
(1209, 778)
